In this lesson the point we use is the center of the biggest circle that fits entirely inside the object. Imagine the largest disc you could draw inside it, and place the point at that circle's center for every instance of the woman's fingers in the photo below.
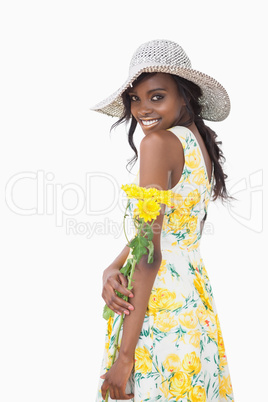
(118, 304)
(122, 289)
(104, 389)
(129, 396)
(123, 280)
(114, 392)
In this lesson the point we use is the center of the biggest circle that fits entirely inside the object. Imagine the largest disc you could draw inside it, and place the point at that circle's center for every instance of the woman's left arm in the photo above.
(154, 172)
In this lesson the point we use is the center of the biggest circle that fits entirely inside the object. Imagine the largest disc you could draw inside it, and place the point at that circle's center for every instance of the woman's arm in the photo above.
(121, 258)
(113, 280)
(154, 172)
(144, 278)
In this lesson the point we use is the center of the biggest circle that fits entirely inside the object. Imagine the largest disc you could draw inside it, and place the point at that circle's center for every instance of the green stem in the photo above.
(117, 338)
(116, 342)
(125, 214)
(130, 276)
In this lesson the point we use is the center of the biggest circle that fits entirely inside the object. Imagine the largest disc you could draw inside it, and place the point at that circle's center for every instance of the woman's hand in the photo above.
(113, 280)
(116, 379)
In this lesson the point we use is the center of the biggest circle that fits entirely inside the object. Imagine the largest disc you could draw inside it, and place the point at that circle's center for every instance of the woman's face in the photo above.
(156, 103)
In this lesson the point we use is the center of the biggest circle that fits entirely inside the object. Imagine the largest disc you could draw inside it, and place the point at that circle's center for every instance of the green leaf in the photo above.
(139, 251)
(151, 252)
(139, 244)
(138, 241)
(125, 270)
(107, 312)
(148, 231)
(173, 271)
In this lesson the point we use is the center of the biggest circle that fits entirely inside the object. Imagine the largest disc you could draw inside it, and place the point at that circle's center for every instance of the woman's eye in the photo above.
(157, 97)
(133, 98)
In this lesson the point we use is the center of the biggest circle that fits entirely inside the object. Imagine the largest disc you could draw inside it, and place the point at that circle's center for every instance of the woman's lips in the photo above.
(149, 123)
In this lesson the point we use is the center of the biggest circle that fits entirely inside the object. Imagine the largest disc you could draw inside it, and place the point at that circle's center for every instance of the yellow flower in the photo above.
(191, 363)
(148, 209)
(193, 159)
(162, 299)
(109, 327)
(178, 200)
(178, 219)
(188, 319)
(133, 191)
(221, 346)
(160, 196)
(200, 287)
(197, 394)
(172, 362)
(192, 199)
(165, 321)
(225, 387)
(191, 224)
(165, 197)
(211, 323)
(143, 360)
(198, 176)
(179, 384)
(195, 338)
(202, 313)
(151, 192)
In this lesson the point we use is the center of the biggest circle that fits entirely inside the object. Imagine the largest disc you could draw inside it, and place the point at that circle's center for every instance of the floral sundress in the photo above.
(180, 355)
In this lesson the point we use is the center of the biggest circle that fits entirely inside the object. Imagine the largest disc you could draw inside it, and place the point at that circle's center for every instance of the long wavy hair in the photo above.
(191, 94)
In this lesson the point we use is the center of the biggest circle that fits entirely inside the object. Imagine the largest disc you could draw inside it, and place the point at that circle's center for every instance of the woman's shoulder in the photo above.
(162, 137)
(164, 146)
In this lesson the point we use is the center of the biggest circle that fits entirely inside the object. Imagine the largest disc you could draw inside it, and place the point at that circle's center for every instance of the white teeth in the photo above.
(149, 122)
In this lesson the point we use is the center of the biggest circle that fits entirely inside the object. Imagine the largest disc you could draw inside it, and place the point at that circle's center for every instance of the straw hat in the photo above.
(168, 57)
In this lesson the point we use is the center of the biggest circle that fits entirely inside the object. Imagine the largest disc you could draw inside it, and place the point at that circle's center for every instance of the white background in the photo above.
(58, 59)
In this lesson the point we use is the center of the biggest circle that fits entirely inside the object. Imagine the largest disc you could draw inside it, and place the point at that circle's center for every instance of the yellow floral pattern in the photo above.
(180, 355)
(143, 360)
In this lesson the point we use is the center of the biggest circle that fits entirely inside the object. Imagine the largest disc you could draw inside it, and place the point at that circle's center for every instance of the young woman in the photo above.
(171, 346)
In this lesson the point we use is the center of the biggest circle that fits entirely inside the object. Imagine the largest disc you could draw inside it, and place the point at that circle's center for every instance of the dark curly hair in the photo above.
(191, 94)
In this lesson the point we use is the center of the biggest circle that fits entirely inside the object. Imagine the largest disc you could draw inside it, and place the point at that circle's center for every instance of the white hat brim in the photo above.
(215, 100)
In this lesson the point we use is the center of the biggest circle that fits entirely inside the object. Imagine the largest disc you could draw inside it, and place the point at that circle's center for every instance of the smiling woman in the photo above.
(171, 345)
(156, 103)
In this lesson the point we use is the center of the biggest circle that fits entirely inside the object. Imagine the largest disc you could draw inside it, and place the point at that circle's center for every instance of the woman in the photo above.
(171, 344)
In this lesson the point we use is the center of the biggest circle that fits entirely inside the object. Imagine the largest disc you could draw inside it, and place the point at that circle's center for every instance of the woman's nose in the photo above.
(145, 108)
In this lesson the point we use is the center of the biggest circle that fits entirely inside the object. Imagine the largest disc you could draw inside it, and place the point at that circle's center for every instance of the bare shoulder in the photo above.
(153, 142)
(164, 145)
(157, 137)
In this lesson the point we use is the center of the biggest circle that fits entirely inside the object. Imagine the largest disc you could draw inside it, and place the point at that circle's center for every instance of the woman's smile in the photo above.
(156, 103)
(148, 123)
